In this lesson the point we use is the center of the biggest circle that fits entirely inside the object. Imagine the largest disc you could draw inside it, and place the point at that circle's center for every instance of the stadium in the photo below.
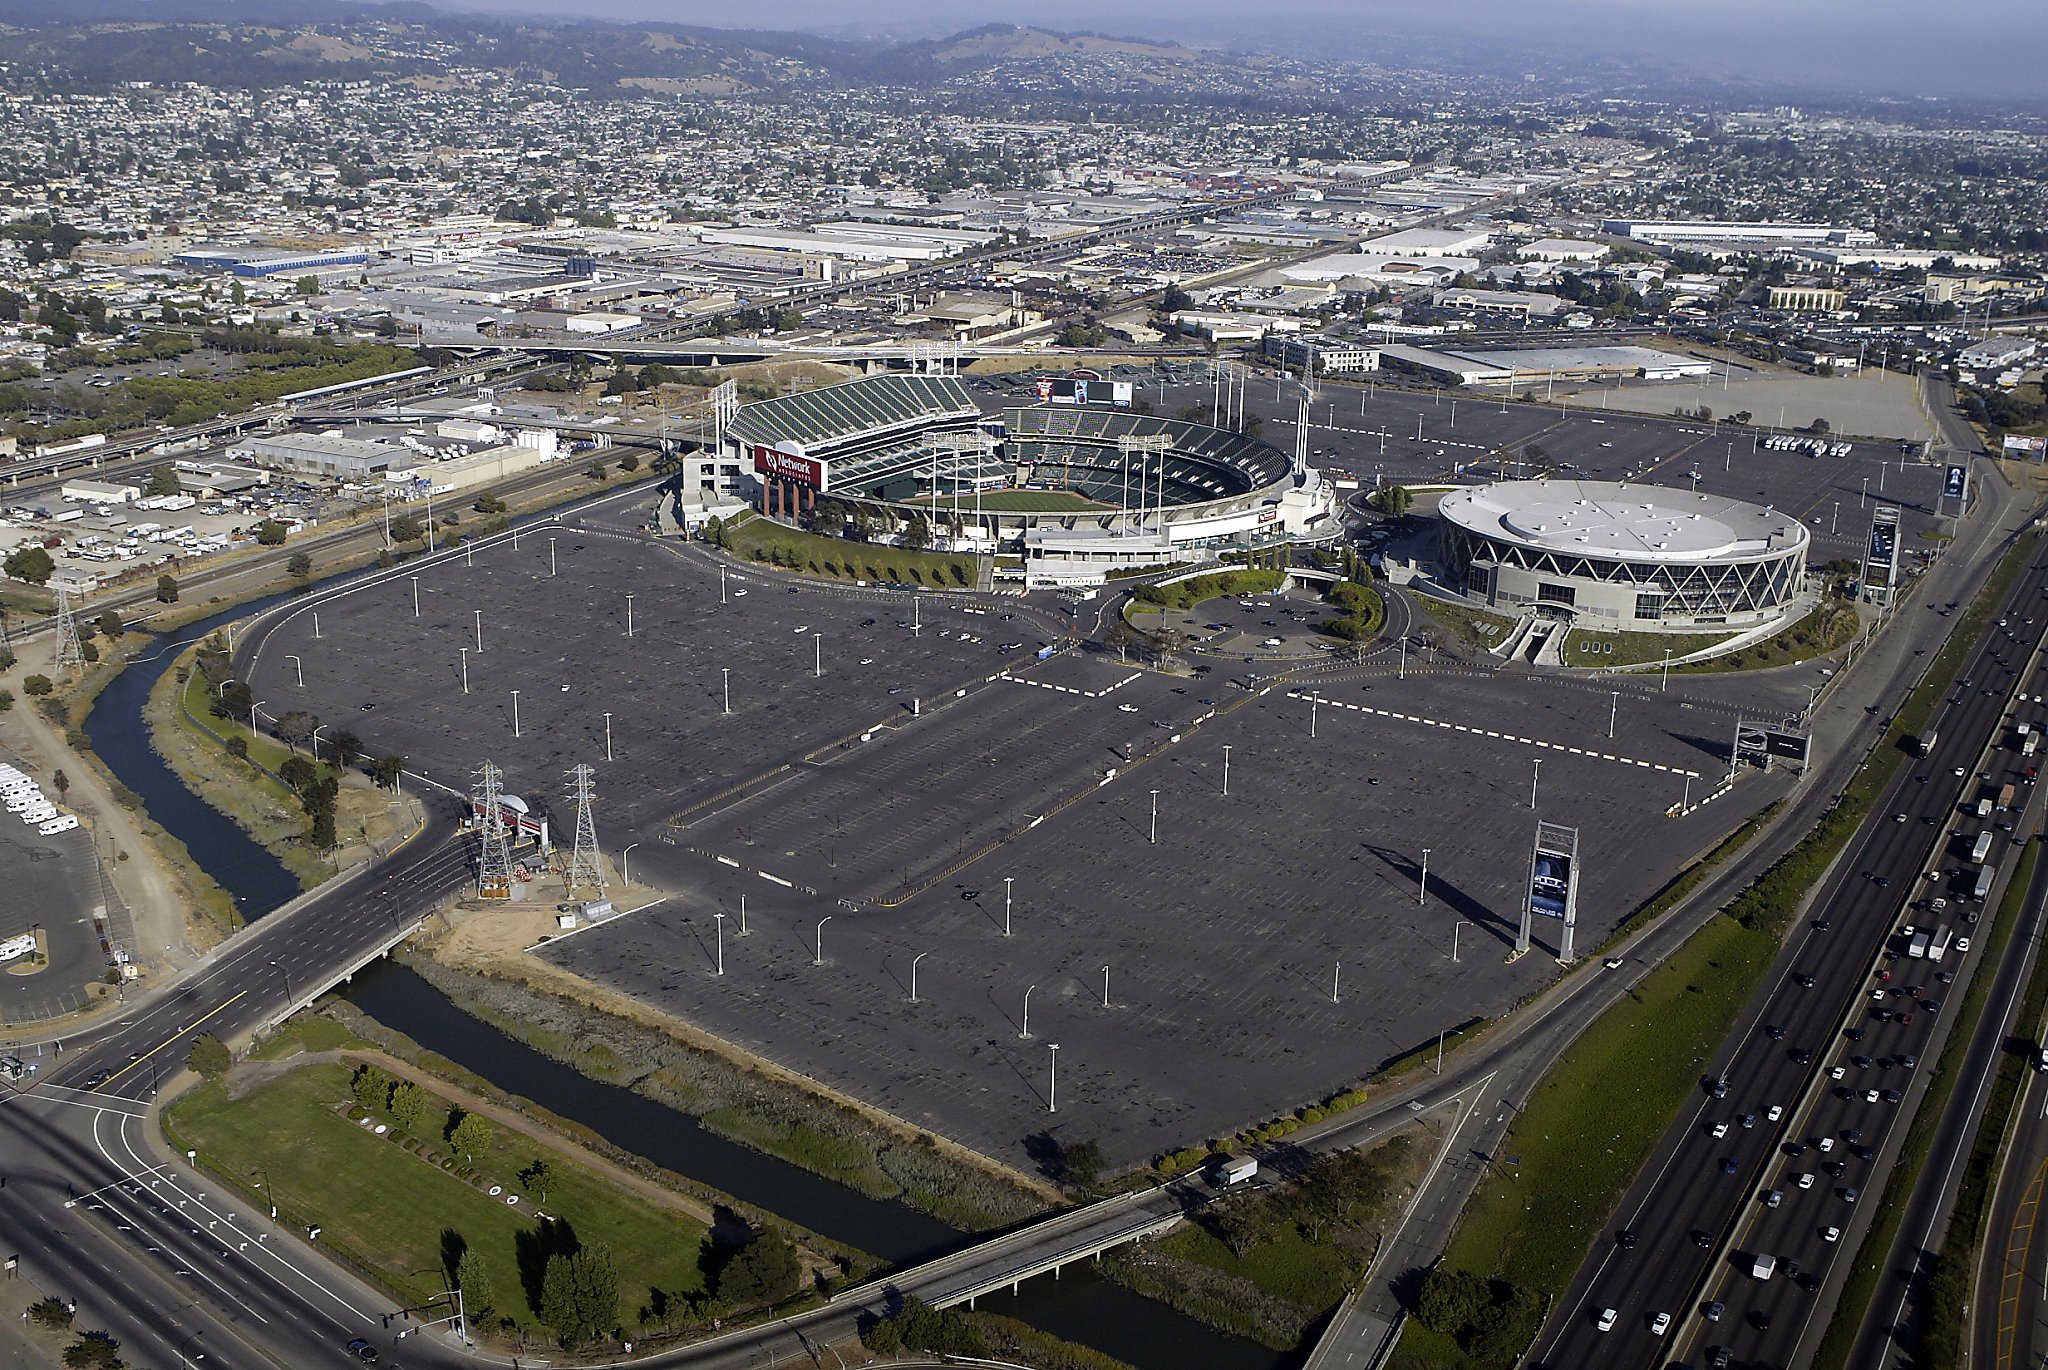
(1067, 492)
(1603, 554)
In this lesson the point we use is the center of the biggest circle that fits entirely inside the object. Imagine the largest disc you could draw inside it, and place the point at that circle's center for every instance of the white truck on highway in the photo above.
(1763, 1265)
(1938, 947)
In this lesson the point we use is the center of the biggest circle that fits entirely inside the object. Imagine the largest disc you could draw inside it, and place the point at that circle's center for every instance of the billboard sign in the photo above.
(1550, 884)
(1955, 481)
(773, 461)
(1085, 390)
(2025, 448)
(1553, 888)
(1881, 558)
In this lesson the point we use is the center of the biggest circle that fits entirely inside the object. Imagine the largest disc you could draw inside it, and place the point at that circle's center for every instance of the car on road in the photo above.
(1805, 1180)
(1713, 1310)
(1720, 1357)
(1962, 944)
(1660, 1323)
(1748, 1120)
(1837, 1072)
(1718, 1130)
(1774, 1112)
(1773, 1197)
(1849, 1196)
(363, 1351)
(1702, 1237)
(1728, 1166)
(1625, 1239)
(1870, 1096)
(1831, 1235)
(1774, 1031)
(1605, 1320)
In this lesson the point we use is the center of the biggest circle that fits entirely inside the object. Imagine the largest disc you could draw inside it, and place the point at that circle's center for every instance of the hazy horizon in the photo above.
(1832, 46)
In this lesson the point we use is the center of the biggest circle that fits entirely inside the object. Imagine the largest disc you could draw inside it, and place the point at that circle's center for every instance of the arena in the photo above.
(1063, 493)
(1613, 555)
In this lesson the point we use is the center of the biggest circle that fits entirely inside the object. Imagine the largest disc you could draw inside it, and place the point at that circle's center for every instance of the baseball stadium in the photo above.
(1072, 490)
(1609, 554)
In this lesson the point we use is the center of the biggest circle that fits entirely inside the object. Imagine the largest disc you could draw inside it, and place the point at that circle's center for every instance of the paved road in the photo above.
(2009, 1327)
(1696, 1206)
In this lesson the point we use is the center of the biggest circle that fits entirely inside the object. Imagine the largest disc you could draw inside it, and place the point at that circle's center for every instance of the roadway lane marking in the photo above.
(1445, 724)
(2018, 1255)
(218, 1009)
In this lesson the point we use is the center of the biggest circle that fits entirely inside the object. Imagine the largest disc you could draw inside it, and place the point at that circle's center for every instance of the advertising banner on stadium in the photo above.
(1073, 390)
(2024, 448)
(771, 461)
(1955, 482)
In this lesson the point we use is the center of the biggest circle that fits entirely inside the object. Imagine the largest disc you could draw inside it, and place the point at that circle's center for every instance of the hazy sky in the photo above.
(1881, 46)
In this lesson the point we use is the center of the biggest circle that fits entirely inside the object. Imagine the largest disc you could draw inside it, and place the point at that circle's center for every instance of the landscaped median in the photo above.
(420, 1196)
(1597, 1116)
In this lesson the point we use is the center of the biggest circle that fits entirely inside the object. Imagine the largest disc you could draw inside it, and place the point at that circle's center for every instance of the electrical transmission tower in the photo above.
(494, 851)
(70, 653)
(584, 869)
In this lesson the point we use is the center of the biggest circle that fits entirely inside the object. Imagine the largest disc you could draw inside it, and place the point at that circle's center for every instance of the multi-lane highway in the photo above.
(1702, 1208)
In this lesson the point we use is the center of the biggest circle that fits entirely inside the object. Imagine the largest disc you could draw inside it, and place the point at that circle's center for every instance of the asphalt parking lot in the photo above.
(1221, 938)
(53, 883)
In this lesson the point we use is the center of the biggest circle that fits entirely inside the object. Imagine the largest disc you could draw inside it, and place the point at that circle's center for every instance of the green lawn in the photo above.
(1592, 647)
(755, 538)
(1832, 625)
(395, 1214)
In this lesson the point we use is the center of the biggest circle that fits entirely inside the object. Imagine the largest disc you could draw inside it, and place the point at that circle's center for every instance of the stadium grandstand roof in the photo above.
(853, 409)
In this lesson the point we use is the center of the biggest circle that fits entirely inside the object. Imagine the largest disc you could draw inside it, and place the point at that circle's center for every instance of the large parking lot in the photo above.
(54, 886)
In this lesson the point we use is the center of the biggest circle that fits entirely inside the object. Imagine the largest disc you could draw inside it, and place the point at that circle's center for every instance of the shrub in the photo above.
(37, 685)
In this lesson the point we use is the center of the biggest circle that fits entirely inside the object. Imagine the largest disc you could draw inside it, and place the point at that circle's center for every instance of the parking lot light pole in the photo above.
(818, 959)
(1155, 818)
(743, 917)
(1025, 1035)
(1226, 770)
(1456, 928)
(817, 655)
(1105, 986)
(1314, 699)
(551, 557)
(626, 865)
(1422, 885)
(725, 675)
(1834, 517)
(629, 614)
(465, 670)
(721, 585)
(1336, 978)
(479, 632)
(515, 713)
(1863, 500)
(1052, 1093)
(719, 919)
(1613, 708)
(1006, 904)
(913, 974)
(1534, 777)
(607, 736)
(298, 668)
(415, 595)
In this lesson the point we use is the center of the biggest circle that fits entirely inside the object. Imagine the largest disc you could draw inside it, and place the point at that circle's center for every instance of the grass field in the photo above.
(1589, 647)
(1832, 625)
(1023, 502)
(755, 538)
(398, 1215)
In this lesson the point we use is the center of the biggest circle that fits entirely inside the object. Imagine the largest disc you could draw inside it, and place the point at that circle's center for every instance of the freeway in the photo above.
(1707, 1188)
(2009, 1327)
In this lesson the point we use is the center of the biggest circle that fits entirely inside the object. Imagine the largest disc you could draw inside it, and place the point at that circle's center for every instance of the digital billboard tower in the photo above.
(1553, 889)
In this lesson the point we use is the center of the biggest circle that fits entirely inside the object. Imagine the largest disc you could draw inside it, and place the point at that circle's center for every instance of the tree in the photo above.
(309, 286)
(629, 462)
(1819, 426)
(537, 1177)
(408, 1105)
(344, 747)
(765, 1270)
(111, 626)
(61, 783)
(270, 533)
(297, 772)
(36, 685)
(371, 1086)
(6, 700)
(90, 650)
(31, 563)
(579, 1294)
(1175, 299)
(167, 589)
(473, 1278)
(1392, 500)
(1451, 1300)
(1081, 1164)
(595, 470)
(50, 1312)
(386, 770)
(210, 1056)
(94, 1351)
(406, 528)
(165, 481)
(469, 1134)
(298, 565)
(490, 504)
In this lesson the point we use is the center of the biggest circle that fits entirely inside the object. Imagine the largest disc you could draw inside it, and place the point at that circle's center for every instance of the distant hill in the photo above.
(1000, 42)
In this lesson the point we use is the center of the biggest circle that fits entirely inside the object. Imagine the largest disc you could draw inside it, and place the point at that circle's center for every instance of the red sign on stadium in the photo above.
(785, 466)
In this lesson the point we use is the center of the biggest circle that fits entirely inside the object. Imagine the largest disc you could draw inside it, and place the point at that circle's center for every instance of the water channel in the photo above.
(1080, 1305)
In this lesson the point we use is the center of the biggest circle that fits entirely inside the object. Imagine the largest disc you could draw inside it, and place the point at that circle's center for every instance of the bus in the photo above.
(1983, 847)
(1984, 876)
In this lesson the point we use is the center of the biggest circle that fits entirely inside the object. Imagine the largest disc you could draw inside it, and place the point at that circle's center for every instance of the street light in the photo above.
(479, 632)
(1422, 885)
(1314, 699)
(1025, 1035)
(1105, 986)
(913, 974)
(607, 736)
(626, 866)
(279, 967)
(817, 655)
(725, 675)
(1613, 708)
(1226, 770)
(1052, 1094)
(1006, 904)
(1456, 928)
(551, 556)
(254, 710)
(1336, 977)
(465, 669)
(1536, 776)
(818, 959)
(515, 713)
(1155, 818)
(415, 595)
(629, 614)
(299, 668)
(719, 918)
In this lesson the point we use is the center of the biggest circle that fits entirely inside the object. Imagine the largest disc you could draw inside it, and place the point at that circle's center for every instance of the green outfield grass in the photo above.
(1020, 502)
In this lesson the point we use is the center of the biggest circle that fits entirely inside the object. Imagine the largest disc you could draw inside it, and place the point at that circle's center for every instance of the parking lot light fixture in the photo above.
(913, 974)
(629, 613)
(721, 585)
(1336, 978)
(818, 958)
(551, 557)
(725, 677)
(1535, 776)
(465, 670)
(298, 668)
(743, 916)
(1105, 986)
(515, 713)
(1613, 708)
(719, 918)
(626, 866)
(415, 595)
(1052, 1093)
(1006, 904)
(817, 655)
(607, 736)
(479, 632)
(1422, 885)
(1025, 1034)
(1154, 839)
(1226, 770)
